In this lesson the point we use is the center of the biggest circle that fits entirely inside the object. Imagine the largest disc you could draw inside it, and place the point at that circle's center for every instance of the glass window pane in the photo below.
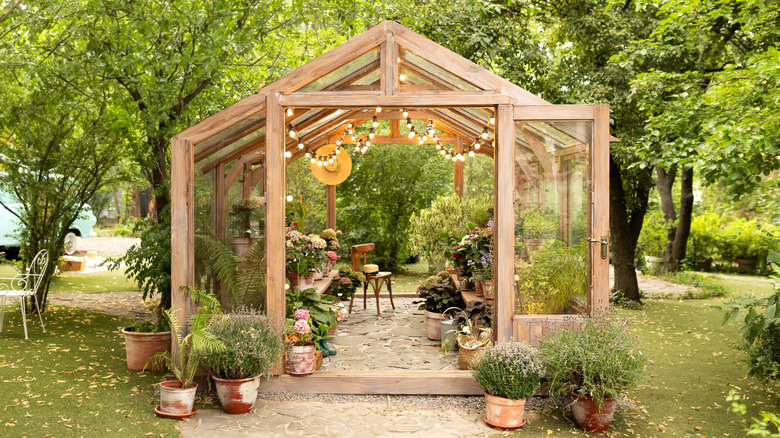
(351, 73)
(420, 71)
(551, 217)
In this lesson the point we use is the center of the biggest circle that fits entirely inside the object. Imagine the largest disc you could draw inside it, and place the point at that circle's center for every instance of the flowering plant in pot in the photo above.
(595, 364)
(345, 283)
(252, 347)
(301, 338)
(301, 258)
(331, 238)
(508, 372)
(316, 248)
(177, 397)
(438, 293)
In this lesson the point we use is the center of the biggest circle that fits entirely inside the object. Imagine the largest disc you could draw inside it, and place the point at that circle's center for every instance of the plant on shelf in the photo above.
(508, 372)
(301, 256)
(474, 332)
(345, 283)
(595, 361)
(331, 238)
(252, 347)
(192, 348)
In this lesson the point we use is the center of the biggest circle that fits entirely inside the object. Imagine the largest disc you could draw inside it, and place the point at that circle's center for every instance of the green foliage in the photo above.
(149, 263)
(555, 281)
(768, 425)
(322, 308)
(705, 242)
(243, 278)
(387, 185)
(345, 283)
(439, 293)
(600, 359)
(652, 240)
(308, 206)
(539, 223)
(198, 340)
(252, 346)
(743, 240)
(444, 214)
(760, 329)
(510, 370)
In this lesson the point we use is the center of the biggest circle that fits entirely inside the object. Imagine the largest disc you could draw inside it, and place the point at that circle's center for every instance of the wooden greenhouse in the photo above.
(549, 158)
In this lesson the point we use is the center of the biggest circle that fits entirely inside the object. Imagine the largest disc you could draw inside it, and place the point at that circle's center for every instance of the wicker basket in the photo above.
(466, 355)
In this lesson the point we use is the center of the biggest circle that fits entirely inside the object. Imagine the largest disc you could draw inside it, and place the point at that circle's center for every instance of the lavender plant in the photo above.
(601, 359)
(510, 370)
(252, 346)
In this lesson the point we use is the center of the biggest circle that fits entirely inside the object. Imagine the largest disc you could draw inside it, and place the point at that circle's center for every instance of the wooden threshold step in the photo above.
(409, 382)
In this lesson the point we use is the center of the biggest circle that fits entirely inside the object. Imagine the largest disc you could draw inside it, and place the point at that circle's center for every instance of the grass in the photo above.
(73, 380)
(709, 287)
(94, 282)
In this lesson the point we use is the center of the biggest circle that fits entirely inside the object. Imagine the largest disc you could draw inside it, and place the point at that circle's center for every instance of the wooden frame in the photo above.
(510, 103)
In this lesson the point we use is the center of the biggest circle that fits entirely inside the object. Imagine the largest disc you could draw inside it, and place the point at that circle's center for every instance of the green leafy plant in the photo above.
(599, 359)
(768, 425)
(474, 324)
(241, 217)
(243, 278)
(510, 370)
(555, 281)
(252, 346)
(345, 283)
(197, 343)
(539, 223)
(439, 293)
(323, 309)
(705, 242)
(743, 240)
(304, 253)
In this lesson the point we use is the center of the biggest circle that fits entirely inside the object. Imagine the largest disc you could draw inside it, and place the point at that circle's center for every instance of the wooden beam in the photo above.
(275, 214)
(225, 119)
(330, 195)
(388, 78)
(246, 182)
(337, 99)
(386, 139)
(458, 169)
(182, 231)
(600, 210)
(257, 176)
(534, 142)
(503, 271)
(455, 382)
(207, 150)
(550, 113)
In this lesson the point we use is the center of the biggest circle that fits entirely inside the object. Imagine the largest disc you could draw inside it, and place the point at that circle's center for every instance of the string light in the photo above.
(485, 133)
(375, 123)
(492, 119)
(289, 112)
(405, 113)
(288, 154)
(402, 77)
(371, 133)
(412, 133)
(300, 145)
(379, 109)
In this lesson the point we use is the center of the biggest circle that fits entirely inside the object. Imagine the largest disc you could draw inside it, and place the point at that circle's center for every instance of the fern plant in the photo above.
(243, 278)
(198, 341)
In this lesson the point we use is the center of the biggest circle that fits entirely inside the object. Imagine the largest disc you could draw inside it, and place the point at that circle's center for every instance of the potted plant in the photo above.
(301, 259)
(241, 217)
(538, 225)
(508, 372)
(177, 397)
(324, 312)
(475, 331)
(316, 250)
(301, 338)
(484, 276)
(743, 244)
(595, 364)
(345, 283)
(252, 347)
(706, 240)
(438, 293)
(145, 338)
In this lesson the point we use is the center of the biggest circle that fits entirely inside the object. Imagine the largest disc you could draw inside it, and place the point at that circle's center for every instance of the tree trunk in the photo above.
(680, 244)
(625, 226)
(664, 183)
(162, 195)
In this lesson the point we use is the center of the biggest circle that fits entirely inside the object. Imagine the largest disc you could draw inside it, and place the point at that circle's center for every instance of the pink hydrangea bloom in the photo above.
(332, 256)
(302, 326)
(302, 314)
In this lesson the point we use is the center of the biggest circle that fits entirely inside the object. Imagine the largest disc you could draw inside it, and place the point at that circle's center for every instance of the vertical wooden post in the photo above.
(458, 168)
(182, 230)
(246, 182)
(330, 212)
(388, 66)
(274, 213)
(219, 213)
(599, 296)
(503, 236)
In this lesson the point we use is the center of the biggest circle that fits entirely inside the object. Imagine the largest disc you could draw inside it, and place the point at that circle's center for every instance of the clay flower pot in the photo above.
(588, 415)
(140, 347)
(237, 396)
(175, 400)
(504, 413)
(433, 325)
(241, 246)
(487, 289)
(300, 359)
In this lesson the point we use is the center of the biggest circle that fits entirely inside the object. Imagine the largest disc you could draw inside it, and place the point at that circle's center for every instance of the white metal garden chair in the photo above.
(25, 285)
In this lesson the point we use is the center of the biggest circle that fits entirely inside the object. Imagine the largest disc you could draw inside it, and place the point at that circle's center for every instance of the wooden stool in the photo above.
(373, 277)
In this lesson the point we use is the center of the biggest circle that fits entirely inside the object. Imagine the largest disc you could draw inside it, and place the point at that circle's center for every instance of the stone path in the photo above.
(126, 304)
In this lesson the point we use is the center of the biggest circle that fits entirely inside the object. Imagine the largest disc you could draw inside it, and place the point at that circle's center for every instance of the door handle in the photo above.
(604, 245)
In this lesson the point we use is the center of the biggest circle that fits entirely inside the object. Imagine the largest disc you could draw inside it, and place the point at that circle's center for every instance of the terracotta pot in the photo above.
(300, 359)
(466, 355)
(487, 289)
(237, 396)
(504, 413)
(241, 245)
(533, 244)
(177, 400)
(478, 288)
(140, 347)
(433, 325)
(331, 331)
(588, 415)
(746, 265)
(465, 283)
(299, 281)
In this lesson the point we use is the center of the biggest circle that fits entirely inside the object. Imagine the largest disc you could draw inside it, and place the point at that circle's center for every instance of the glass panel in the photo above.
(420, 71)
(551, 217)
(353, 72)
(307, 208)
(478, 176)
(229, 136)
(226, 151)
(234, 227)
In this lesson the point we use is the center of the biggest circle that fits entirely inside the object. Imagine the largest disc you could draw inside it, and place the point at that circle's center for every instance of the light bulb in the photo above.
(443, 152)
(379, 109)
(292, 134)
(375, 123)
(368, 142)
(405, 113)
(351, 131)
(338, 151)
(411, 133)
(330, 161)
(447, 156)
(339, 141)
(300, 145)
(319, 162)
(476, 146)
(460, 157)
(357, 148)
(402, 77)
(471, 153)
(349, 125)
(289, 112)
(288, 154)
(371, 133)
(420, 141)
(424, 137)
(485, 133)
(286, 286)
(289, 198)
(438, 146)
(493, 143)
(454, 159)
(492, 119)
(363, 151)
(313, 160)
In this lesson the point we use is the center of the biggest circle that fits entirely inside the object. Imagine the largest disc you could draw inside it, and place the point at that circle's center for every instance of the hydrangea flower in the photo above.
(302, 326)
(302, 314)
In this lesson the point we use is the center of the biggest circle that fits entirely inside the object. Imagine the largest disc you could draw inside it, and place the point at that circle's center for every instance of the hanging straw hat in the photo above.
(332, 173)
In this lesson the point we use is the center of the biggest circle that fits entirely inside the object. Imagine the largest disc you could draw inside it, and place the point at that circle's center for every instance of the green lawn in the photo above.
(73, 380)
(95, 282)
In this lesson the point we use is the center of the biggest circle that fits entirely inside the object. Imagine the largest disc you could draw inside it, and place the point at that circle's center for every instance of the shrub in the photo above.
(439, 293)
(743, 240)
(652, 240)
(510, 370)
(705, 242)
(556, 281)
(601, 360)
(252, 346)
(538, 223)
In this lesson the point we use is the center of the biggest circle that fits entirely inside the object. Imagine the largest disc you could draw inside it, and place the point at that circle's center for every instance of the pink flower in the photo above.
(340, 316)
(332, 256)
(302, 314)
(337, 277)
(345, 281)
(302, 326)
